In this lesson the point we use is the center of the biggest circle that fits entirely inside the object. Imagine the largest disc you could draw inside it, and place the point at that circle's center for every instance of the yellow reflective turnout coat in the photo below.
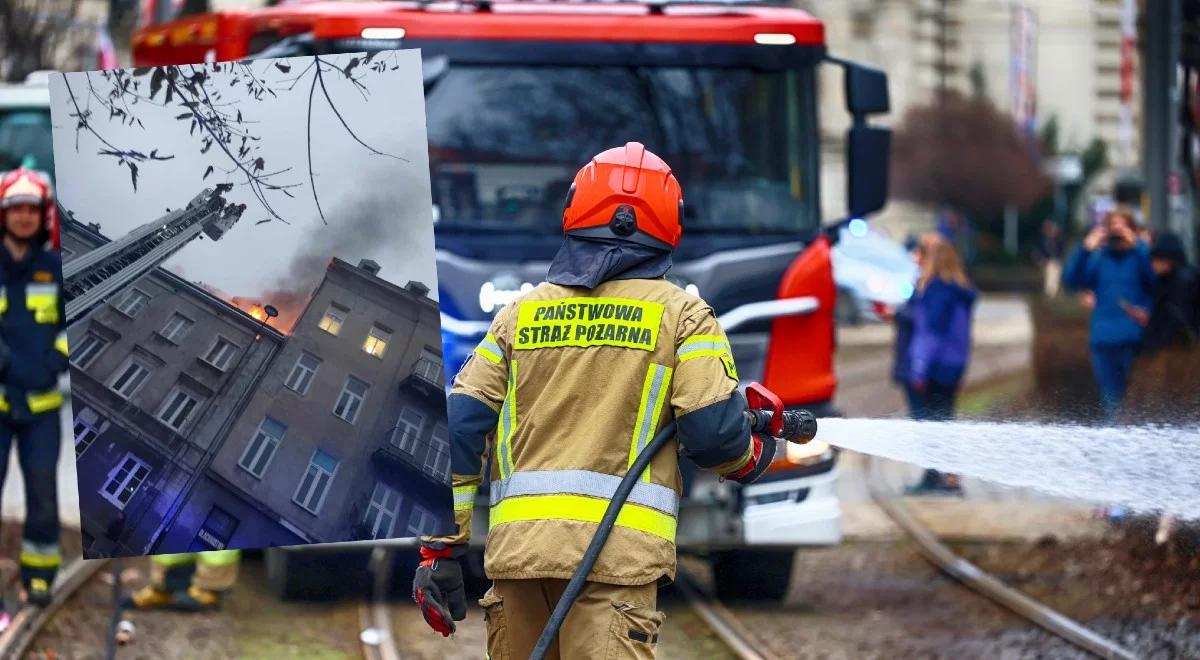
(568, 386)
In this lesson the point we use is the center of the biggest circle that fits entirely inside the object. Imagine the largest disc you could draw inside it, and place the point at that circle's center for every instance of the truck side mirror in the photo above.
(866, 90)
(868, 153)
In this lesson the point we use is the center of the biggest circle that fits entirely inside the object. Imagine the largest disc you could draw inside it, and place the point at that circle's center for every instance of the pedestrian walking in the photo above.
(1114, 264)
(939, 346)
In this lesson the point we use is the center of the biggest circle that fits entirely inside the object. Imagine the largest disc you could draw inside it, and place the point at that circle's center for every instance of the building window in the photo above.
(216, 531)
(133, 303)
(88, 349)
(377, 341)
(125, 480)
(261, 448)
(429, 367)
(350, 401)
(129, 379)
(221, 353)
(408, 427)
(176, 328)
(437, 461)
(382, 511)
(86, 432)
(420, 521)
(335, 317)
(302, 374)
(177, 408)
(315, 484)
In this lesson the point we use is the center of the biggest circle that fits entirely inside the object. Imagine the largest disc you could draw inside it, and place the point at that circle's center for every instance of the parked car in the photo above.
(25, 133)
(869, 268)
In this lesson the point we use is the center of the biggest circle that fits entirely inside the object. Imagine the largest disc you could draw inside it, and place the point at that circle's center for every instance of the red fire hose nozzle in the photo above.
(766, 415)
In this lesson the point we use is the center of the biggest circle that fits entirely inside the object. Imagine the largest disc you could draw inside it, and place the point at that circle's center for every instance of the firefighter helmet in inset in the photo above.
(26, 186)
(627, 193)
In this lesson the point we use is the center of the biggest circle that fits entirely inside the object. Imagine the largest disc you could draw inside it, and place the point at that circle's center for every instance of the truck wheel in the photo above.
(752, 574)
(294, 575)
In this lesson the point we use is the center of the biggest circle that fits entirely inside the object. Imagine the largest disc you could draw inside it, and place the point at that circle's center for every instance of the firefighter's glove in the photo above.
(761, 455)
(438, 589)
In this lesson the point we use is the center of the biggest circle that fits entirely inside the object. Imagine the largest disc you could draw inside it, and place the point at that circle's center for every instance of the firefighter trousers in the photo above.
(211, 571)
(607, 620)
(38, 444)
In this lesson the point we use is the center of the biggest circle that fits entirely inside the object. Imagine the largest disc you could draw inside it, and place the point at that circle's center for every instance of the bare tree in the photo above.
(965, 153)
(207, 101)
(40, 34)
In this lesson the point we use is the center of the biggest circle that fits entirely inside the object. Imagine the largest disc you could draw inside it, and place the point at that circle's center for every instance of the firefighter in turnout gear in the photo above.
(189, 581)
(34, 338)
(571, 382)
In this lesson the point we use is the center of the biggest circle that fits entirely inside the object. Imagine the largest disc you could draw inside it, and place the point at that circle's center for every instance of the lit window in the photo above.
(261, 448)
(377, 341)
(125, 480)
(88, 349)
(129, 379)
(176, 328)
(335, 317)
(303, 372)
(408, 427)
(221, 353)
(177, 408)
(351, 399)
(315, 484)
(133, 303)
(420, 521)
(382, 511)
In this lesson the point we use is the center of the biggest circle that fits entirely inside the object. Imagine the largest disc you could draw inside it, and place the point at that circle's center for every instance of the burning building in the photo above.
(200, 424)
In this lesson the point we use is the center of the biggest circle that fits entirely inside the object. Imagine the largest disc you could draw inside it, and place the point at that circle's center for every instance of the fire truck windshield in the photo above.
(505, 141)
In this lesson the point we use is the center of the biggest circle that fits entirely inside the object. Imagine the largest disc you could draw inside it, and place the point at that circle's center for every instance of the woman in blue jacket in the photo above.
(933, 352)
(1114, 264)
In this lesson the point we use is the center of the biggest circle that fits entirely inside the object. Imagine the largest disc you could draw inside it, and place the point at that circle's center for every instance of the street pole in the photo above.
(1160, 53)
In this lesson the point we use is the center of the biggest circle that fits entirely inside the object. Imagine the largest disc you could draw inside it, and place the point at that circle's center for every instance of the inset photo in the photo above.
(251, 299)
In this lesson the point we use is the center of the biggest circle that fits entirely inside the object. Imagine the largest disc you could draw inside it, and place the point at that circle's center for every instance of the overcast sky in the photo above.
(377, 207)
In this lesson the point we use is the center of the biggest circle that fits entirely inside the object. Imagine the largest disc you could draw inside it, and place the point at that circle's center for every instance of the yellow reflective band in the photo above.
(464, 497)
(581, 508)
(654, 389)
(4, 407)
(35, 560)
(45, 401)
(179, 559)
(60, 343)
(583, 322)
(489, 350)
(3, 300)
(708, 346)
(507, 424)
(42, 299)
(220, 557)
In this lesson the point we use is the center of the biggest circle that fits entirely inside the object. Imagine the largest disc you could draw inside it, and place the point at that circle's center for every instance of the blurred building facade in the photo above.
(198, 426)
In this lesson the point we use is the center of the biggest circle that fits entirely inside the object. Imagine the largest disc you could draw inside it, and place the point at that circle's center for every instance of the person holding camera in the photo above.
(1114, 264)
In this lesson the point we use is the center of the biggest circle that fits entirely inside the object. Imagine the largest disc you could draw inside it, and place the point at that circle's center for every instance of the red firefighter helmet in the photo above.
(627, 193)
(26, 186)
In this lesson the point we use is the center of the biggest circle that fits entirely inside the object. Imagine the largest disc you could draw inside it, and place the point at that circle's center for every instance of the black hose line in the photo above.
(575, 586)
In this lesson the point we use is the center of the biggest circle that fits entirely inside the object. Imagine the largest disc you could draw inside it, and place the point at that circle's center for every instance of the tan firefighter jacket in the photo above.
(576, 381)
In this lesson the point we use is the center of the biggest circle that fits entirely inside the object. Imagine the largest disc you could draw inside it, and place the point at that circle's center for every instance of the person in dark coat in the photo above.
(1175, 310)
(1114, 264)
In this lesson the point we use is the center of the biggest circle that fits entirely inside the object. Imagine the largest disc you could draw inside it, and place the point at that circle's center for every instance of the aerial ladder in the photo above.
(97, 275)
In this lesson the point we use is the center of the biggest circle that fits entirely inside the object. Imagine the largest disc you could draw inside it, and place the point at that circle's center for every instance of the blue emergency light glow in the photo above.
(858, 228)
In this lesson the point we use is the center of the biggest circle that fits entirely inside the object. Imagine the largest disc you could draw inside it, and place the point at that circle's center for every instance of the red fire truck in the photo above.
(518, 94)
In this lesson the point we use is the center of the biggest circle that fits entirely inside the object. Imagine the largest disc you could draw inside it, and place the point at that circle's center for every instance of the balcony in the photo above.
(401, 467)
(426, 378)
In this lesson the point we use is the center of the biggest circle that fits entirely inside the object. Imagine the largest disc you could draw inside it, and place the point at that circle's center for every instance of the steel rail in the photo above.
(26, 625)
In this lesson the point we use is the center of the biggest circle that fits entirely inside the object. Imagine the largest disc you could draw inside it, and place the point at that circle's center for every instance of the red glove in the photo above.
(760, 458)
(438, 589)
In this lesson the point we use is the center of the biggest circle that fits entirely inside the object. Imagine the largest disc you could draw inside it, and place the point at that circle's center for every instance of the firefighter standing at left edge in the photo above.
(33, 332)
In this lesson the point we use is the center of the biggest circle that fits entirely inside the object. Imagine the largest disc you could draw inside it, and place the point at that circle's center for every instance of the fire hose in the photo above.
(798, 426)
